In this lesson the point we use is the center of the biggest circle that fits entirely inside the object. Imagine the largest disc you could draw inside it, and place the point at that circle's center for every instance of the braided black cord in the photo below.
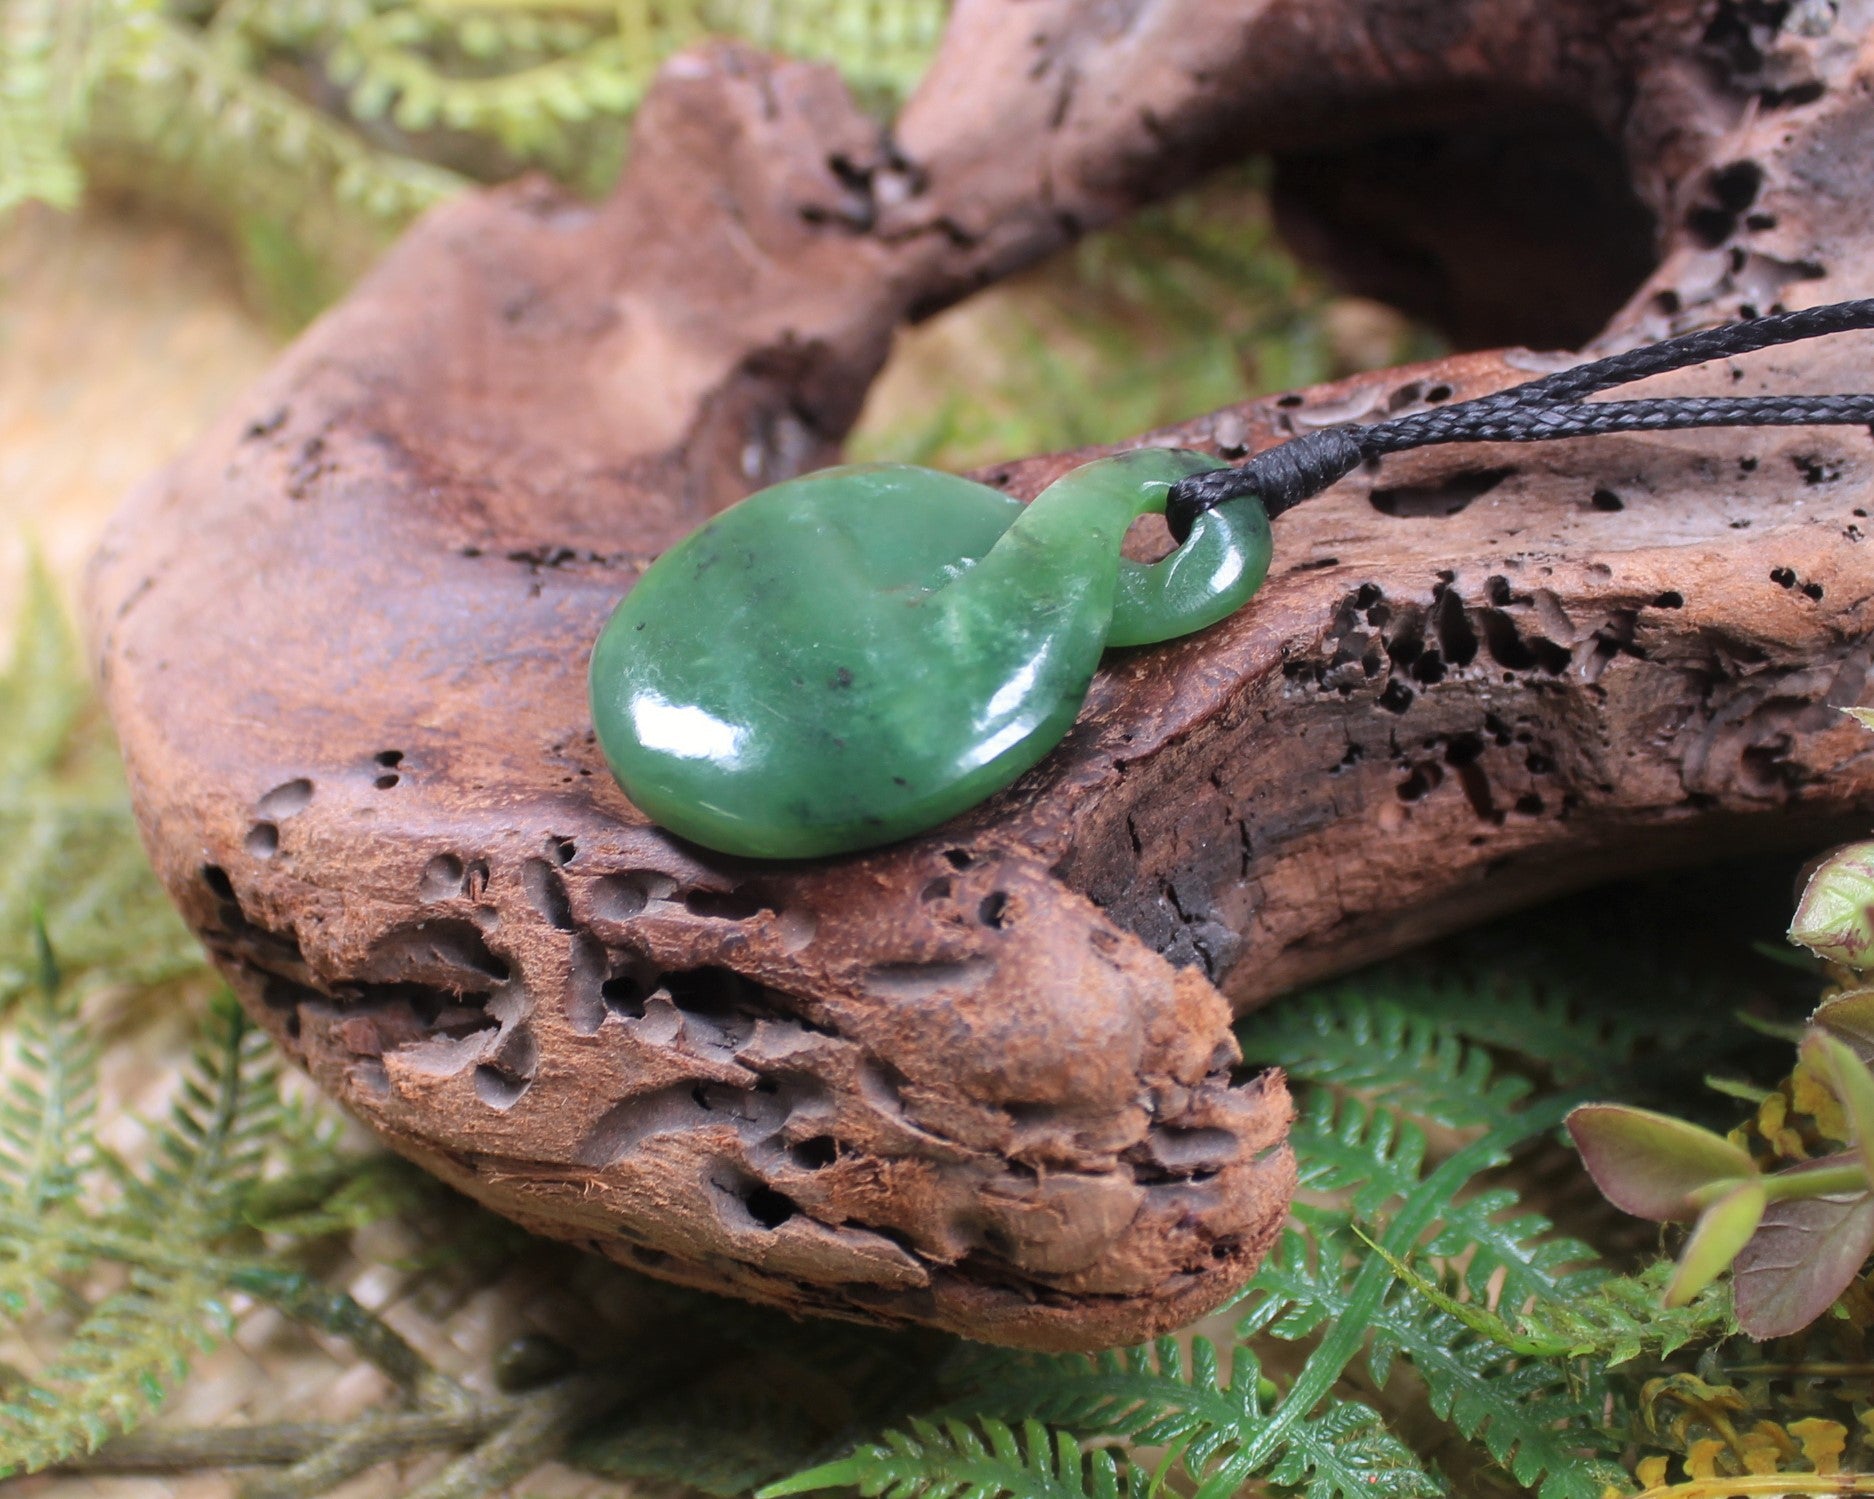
(1539, 410)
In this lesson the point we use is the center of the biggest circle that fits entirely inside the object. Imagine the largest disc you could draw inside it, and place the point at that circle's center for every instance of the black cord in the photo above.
(1538, 410)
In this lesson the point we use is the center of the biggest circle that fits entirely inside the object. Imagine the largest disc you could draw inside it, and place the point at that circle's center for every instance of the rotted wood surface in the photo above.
(983, 1079)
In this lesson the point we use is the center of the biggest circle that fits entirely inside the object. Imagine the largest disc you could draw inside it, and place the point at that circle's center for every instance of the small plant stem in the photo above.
(1825, 1181)
(1819, 1369)
(401, 1434)
(537, 1433)
(364, 1445)
(335, 1312)
(1771, 1485)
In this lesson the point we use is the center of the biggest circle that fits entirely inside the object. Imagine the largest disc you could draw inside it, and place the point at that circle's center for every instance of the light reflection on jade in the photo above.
(859, 654)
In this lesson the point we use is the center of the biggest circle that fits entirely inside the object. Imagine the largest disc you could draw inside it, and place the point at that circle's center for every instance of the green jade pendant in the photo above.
(859, 654)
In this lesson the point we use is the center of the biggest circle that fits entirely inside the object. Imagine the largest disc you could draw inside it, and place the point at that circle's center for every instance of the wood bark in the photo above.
(983, 1079)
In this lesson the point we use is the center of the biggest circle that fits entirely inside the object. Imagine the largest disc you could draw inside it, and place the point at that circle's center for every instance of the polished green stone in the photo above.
(857, 655)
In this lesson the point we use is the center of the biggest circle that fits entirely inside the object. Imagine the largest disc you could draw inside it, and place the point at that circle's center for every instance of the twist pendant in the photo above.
(860, 654)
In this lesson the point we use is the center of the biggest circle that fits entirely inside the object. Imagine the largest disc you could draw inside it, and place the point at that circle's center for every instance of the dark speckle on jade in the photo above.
(857, 655)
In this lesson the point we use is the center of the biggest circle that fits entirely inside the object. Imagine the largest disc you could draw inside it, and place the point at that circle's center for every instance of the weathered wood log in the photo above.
(982, 1079)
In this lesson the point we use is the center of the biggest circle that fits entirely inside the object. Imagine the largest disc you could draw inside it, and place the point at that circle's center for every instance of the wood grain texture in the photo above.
(983, 1079)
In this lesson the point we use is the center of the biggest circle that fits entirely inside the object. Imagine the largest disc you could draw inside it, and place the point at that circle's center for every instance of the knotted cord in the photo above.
(1538, 410)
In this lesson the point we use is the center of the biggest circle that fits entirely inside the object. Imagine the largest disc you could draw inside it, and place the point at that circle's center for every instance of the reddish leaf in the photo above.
(1802, 1257)
(1849, 1018)
(1652, 1165)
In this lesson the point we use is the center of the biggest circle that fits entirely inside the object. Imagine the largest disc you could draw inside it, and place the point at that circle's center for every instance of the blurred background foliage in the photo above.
(306, 133)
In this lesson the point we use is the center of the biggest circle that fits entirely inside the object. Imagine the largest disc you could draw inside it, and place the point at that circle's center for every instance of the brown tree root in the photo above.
(983, 1079)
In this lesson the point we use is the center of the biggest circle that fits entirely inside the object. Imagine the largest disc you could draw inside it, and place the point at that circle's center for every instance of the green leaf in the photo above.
(1851, 1082)
(1722, 1230)
(1652, 1165)
(1835, 917)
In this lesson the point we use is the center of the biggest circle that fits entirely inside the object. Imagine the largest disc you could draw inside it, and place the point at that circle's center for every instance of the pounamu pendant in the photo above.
(859, 654)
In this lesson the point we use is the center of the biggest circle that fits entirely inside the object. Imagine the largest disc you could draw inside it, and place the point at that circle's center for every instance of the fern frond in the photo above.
(1541, 1420)
(1573, 1031)
(210, 1150)
(880, 46)
(1146, 1394)
(1353, 1038)
(1150, 1397)
(1611, 1322)
(387, 63)
(1537, 1417)
(1343, 1145)
(36, 37)
(55, 58)
(983, 1459)
(73, 861)
(42, 690)
(120, 1364)
(48, 1100)
(115, 1370)
(191, 105)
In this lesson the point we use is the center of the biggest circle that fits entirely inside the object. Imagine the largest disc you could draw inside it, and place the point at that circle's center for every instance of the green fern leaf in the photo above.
(1572, 1030)
(1539, 1418)
(35, 79)
(1536, 1417)
(1616, 1321)
(209, 1153)
(48, 1101)
(881, 49)
(1343, 1451)
(984, 1459)
(1151, 1398)
(129, 1352)
(115, 1371)
(73, 861)
(1411, 1063)
(42, 691)
(1344, 1146)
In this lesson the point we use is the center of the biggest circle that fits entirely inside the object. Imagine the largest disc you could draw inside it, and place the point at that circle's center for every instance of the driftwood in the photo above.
(983, 1079)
